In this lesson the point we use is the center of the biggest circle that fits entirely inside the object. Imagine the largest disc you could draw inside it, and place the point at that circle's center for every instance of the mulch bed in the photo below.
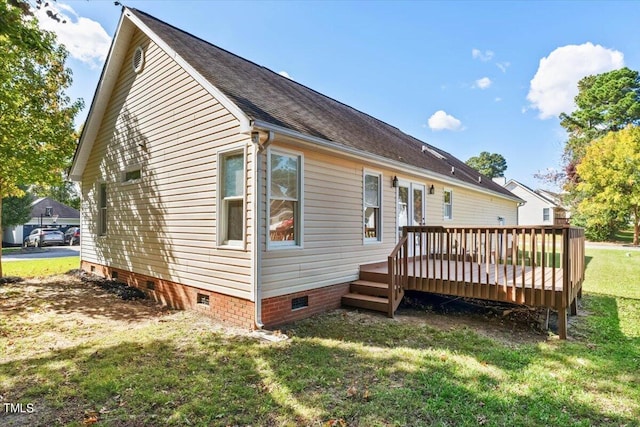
(10, 279)
(122, 290)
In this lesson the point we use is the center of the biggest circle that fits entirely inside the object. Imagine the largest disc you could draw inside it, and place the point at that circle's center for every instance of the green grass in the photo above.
(75, 361)
(10, 250)
(40, 267)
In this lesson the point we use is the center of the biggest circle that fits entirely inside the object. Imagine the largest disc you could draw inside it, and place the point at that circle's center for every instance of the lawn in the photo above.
(79, 355)
(40, 267)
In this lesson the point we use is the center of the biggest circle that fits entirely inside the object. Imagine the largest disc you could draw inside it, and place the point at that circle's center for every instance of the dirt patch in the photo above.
(508, 323)
(120, 289)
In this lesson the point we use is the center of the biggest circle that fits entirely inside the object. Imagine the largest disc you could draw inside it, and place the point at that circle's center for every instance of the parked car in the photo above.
(72, 236)
(43, 237)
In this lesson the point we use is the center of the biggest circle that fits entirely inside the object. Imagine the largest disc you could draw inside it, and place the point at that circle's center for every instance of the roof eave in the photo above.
(107, 81)
(374, 158)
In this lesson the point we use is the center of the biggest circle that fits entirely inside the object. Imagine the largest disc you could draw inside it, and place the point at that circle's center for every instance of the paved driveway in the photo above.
(50, 252)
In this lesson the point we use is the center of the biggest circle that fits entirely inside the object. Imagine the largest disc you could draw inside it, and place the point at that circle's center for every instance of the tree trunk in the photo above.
(1, 235)
(636, 226)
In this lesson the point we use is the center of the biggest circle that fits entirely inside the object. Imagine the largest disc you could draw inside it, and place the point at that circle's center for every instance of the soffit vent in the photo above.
(137, 61)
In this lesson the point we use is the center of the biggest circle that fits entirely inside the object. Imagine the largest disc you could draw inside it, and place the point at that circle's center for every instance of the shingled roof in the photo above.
(266, 96)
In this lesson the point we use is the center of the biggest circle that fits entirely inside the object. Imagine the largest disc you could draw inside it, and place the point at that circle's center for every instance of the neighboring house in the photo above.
(45, 212)
(541, 208)
(216, 184)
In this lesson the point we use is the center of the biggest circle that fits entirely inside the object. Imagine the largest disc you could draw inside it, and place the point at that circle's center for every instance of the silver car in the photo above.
(43, 237)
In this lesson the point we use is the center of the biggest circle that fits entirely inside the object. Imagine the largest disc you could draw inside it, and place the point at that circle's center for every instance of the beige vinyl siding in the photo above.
(164, 225)
(333, 242)
(469, 207)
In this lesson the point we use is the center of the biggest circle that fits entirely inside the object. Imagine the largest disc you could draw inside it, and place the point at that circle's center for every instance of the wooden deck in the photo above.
(534, 266)
(536, 286)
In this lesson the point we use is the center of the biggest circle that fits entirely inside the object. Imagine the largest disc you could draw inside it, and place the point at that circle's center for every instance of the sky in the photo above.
(465, 76)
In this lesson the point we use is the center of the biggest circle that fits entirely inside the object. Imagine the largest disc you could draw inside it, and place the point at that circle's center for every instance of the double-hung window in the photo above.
(372, 207)
(232, 195)
(285, 198)
(545, 214)
(448, 204)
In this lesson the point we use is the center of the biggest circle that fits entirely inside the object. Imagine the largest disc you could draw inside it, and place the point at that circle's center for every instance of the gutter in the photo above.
(379, 160)
(259, 147)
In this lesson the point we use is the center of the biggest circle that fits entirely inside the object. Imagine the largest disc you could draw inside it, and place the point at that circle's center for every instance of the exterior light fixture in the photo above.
(394, 182)
(432, 189)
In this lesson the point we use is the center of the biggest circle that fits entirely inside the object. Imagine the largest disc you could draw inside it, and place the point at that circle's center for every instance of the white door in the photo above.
(411, 208)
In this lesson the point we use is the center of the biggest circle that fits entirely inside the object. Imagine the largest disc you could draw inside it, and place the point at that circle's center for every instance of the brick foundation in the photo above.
(277, 310)
(236, 311)
(226, 308)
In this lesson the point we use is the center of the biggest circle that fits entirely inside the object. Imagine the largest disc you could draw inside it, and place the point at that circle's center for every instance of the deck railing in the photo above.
(397, 273)
(536, 266)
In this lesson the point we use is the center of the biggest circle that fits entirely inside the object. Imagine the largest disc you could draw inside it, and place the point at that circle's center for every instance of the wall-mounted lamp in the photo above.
(432, 189)
(394, 182)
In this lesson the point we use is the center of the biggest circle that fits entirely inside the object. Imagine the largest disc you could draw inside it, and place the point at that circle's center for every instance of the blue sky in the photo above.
(464, 76)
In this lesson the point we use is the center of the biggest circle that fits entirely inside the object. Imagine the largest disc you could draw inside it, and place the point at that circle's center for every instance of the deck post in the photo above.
(562, 323)
(573, 307)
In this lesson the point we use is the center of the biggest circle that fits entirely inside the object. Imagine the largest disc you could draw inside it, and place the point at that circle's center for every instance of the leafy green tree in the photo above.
(605, 103)
(16, 210)
(37, 138)
(491, 165)
(610, 180)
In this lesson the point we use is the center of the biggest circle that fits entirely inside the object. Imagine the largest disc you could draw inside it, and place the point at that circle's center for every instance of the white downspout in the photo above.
(257, 207)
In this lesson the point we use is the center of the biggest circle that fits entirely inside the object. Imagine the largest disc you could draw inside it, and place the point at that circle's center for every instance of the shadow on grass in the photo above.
(334, 367)
(67, 295)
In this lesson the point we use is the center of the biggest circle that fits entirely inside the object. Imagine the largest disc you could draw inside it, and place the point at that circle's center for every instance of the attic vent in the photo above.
(138, 59)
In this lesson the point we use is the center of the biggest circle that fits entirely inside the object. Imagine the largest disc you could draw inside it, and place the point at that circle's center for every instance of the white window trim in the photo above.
(444, 217)
(298, 242)
(131, 168)
(102, 212)
(378, 239)
(221, 219)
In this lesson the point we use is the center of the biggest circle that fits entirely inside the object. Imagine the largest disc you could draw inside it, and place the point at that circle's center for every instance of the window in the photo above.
(372, 203)
(448, 204)
(232, 194)
(102, 210)
(285, 195)
(133, 174)
(545, 214)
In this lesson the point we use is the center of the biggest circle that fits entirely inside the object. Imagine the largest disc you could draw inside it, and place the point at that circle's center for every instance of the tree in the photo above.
(16, 210)
(62, 190)
(37, 137)
(605, 103)
(610, 180)
(491, 165)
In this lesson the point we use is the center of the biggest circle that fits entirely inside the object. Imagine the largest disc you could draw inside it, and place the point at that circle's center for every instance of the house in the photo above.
(45, 212)
(541, 207)
(215, 184)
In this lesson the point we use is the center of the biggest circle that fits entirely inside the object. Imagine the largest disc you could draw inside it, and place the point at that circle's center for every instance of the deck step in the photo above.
(366, 301)
(373, 276)
(366, 287)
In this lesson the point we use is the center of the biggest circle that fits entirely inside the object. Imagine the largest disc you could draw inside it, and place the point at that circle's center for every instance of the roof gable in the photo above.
(532, 193)
(63, 211)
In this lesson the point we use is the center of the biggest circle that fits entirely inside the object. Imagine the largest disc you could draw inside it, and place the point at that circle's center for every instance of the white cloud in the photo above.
(85, 39)
(555, 84)
(485, 56)
(483, 83)
(503, 66)
(440, 120)
(498, 99)
(285, 74)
